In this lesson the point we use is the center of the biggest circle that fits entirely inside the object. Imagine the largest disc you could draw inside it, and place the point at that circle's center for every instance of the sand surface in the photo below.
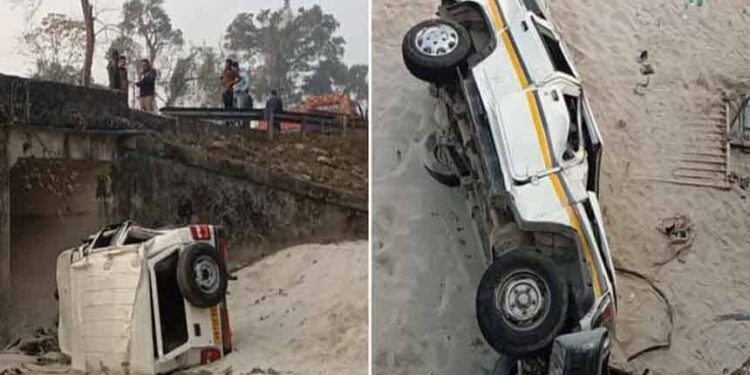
(426, 263)
(302, 310)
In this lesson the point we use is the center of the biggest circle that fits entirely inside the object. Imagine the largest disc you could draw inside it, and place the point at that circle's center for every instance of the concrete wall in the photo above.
(53, 204)
(259, 218)
(5, 276)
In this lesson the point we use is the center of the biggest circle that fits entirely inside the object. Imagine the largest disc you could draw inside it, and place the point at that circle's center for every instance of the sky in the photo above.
(201, 21)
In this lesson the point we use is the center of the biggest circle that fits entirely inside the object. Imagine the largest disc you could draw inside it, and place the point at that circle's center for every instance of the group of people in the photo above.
(235, 85)
(236, 91)
(118, 80)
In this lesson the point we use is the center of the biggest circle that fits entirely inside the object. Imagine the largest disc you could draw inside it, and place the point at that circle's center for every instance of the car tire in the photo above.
(438, 63)
(437, 162)
(202, 275)
(522, 303)
(505, 365)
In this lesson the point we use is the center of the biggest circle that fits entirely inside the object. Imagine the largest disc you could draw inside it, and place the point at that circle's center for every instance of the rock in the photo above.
(324, 160)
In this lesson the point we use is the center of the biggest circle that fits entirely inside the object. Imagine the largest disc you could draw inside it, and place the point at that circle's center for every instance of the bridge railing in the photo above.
(307, 121)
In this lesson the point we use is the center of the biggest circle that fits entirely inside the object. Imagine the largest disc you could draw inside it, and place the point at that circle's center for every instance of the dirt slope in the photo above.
(300, 311)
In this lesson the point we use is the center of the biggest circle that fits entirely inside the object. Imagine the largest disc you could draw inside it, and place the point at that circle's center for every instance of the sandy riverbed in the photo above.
(426, 264)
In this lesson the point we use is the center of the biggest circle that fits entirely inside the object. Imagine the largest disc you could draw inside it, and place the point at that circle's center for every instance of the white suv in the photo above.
(523, 144)
(144, 301)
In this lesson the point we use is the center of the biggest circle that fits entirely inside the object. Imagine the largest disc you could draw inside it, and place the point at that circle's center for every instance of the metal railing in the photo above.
(308, 121)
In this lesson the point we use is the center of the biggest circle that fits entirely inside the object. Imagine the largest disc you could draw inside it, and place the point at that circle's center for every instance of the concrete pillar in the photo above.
(5, 287)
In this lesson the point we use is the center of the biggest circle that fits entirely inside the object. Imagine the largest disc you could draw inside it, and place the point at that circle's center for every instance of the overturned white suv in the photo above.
(523, 144)
(144, 301)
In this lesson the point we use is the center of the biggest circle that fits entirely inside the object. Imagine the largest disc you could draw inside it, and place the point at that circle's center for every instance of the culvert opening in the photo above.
(54, 203)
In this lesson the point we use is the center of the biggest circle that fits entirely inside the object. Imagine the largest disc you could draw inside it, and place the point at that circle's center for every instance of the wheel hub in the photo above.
(206, 274)
(437, 40)
(522, 300)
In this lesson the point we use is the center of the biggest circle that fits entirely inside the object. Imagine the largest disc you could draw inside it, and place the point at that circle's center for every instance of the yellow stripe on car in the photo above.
(541, 137)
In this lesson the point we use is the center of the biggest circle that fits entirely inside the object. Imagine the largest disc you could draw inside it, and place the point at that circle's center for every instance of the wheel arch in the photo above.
(475, 19)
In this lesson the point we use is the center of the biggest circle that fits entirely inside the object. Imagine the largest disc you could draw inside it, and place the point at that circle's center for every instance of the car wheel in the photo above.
(437, 162)
(433, 49)
(505, 366)
(521, 303)
(202, 275)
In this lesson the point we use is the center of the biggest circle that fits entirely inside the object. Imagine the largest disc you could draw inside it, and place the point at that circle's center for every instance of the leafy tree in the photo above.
(179, 79)
(208, 68)
(327, 75)
(356, 82)
(57, 46)
(285, 44)
(334, 75)
(147, 25)
(147, 21)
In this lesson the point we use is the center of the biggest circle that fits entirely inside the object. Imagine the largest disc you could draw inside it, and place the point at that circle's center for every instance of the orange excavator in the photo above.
(338, 103)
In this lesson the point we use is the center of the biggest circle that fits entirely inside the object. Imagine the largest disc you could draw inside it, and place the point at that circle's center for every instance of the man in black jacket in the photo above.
(274, 105)
(112, 71)
(147, 86)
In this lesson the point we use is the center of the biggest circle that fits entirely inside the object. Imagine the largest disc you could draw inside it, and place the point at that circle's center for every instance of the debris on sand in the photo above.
(742, 181)
(667, 343)
(736, 317)
(681, 232)
(42, 341)
(646, 69)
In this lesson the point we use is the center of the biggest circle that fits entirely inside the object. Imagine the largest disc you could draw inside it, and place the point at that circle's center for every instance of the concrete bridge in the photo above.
(74, 159)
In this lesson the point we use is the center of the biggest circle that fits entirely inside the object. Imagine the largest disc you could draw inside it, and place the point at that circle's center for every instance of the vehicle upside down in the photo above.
(523, 144)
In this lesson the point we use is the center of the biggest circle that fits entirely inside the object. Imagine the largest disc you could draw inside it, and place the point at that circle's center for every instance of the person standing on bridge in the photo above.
(242, 99)
(147, 85)
(122, 71)
(112, 71)
(229, 78)
(274, 105)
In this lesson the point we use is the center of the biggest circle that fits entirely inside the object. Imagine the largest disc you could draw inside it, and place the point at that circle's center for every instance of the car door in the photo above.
(593, 143)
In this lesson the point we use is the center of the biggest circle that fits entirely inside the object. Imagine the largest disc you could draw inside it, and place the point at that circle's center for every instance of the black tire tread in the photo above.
(186, 279)
(504, 338)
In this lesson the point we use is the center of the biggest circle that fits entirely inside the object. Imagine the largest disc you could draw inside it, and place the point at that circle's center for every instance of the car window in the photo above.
(573, 140)
(554, 49)
(136, 235)
(105, 239)
(533, 7)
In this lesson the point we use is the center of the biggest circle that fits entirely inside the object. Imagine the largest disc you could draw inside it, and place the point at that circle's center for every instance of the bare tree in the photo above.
(88, 21)
(89, 13)
(57, 47)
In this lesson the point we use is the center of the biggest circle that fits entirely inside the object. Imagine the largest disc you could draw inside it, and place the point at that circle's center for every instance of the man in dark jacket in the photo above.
(147, 86)
(122, 71)
(274, 105)
(112, 71)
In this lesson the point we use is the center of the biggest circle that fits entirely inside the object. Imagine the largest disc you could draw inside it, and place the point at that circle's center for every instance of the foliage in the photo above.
(147, 28)
(356, 82)
(147, 20)
(286, 45)
(334, 75)
(208, 70)
(57, 46)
